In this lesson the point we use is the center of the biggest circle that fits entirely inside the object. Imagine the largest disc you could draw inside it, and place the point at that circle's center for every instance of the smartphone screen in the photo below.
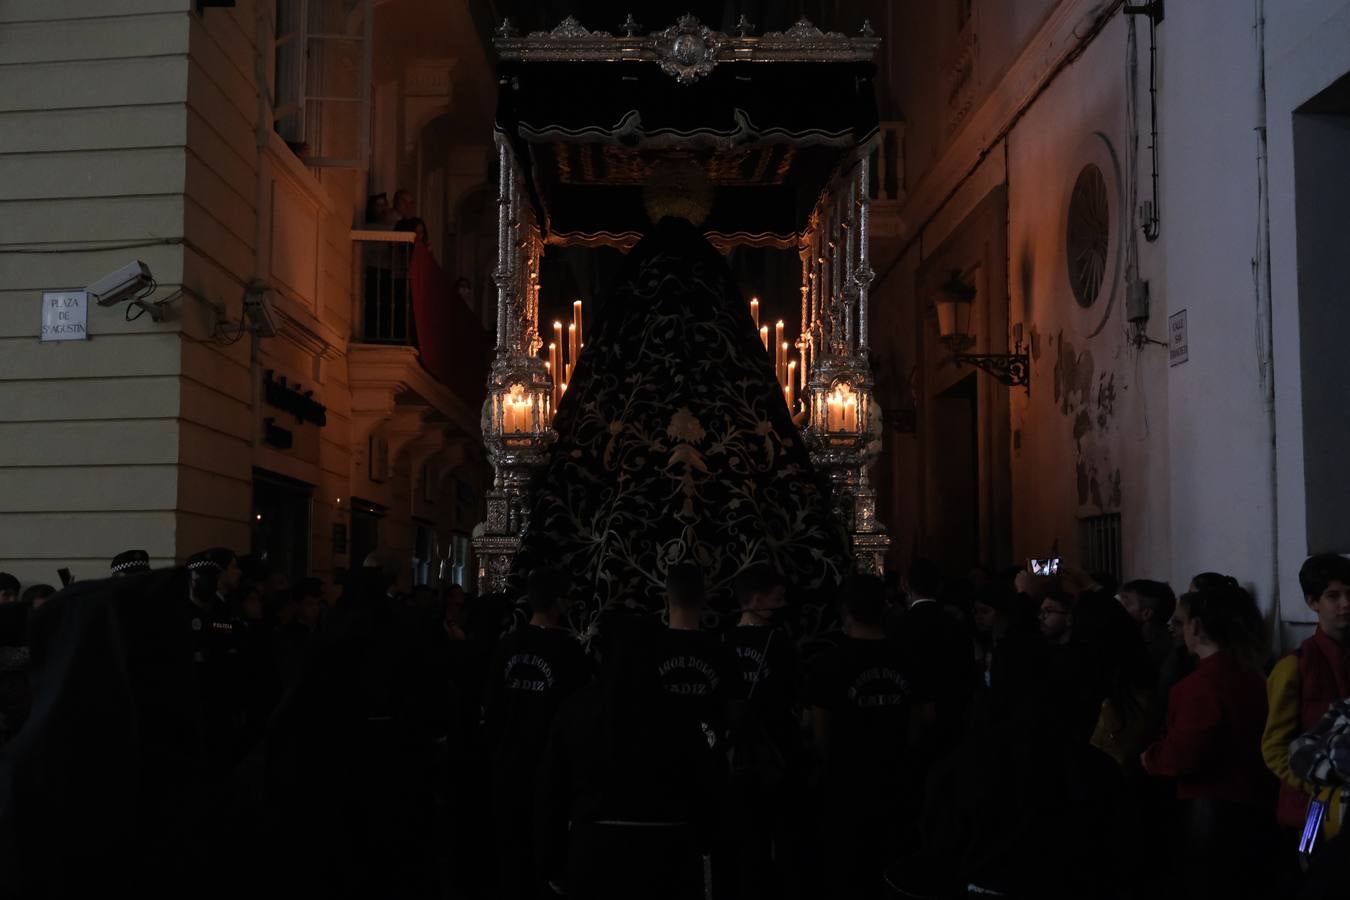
(1049, 566)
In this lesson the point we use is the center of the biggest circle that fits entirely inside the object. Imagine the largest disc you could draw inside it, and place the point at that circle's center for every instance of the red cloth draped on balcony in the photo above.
(449, 337)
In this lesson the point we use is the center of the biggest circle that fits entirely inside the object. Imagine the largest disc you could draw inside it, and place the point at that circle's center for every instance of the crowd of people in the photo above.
(218, 728)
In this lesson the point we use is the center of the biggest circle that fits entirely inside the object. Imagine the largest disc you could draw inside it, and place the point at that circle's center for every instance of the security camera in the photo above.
(126, 282)
(258, 309)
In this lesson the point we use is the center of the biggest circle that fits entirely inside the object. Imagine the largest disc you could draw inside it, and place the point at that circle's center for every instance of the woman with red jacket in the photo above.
(1212, 747)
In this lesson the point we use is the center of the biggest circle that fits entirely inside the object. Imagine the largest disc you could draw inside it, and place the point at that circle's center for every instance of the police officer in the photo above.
(129, 562)
(215, 638)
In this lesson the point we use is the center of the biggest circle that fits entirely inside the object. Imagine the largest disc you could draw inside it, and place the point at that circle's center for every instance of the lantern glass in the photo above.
(953, 317)
(517, 410)
(841, 409)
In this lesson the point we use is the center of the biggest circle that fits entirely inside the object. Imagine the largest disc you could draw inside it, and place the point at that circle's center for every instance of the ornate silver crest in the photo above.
(570, 29)
(687, 50)
(804, 30)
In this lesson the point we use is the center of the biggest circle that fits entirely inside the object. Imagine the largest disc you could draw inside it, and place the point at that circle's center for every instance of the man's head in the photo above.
(862, 602)
(992, 608)
(388, 566)
(251, 604)
(214, 572)
(760, 590)
(1148, 602)
(454, 597)
(546, 588)
(377, 207)
(684, 587)
(38, 594)
(923, 581)
(1057, 617)
(404, 204)
(1325, 580)
(9, 588)
(309, 597)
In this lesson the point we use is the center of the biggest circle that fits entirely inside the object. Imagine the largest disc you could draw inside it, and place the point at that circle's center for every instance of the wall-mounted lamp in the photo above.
(954, 303)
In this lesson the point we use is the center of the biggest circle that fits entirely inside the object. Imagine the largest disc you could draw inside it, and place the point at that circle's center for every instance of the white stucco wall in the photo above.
(1220, 458)
(1094, 427)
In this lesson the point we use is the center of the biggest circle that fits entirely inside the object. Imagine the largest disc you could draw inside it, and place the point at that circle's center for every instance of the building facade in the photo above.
(251, 398)
(1148, 204)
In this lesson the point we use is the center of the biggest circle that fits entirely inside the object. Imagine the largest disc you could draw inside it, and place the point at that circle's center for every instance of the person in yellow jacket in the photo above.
(1305, 684)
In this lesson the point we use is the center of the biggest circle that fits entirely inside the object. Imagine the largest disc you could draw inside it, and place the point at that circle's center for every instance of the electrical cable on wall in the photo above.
(1154, 10)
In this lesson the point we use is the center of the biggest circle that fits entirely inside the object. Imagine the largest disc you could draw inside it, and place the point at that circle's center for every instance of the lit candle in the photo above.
(783, 363)
(791, 387)
(553, 369)
(571, 349)
(842, 411)
(764, 336)
(779, 368)
(754, 310)
(516, 410)
(576, 320)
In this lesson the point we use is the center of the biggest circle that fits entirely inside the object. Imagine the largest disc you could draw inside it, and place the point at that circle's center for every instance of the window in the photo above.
(1099, 540)
(426, 553)
(460, 572)
(321, 90)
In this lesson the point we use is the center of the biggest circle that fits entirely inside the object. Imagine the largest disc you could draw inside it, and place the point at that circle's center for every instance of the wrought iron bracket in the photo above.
(1012, 369)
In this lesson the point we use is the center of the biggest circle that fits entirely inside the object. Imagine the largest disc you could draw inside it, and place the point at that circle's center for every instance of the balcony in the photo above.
(384, 259)
(418, 359)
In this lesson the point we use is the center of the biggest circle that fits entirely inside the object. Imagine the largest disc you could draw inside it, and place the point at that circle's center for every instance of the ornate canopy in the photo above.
(770, 137)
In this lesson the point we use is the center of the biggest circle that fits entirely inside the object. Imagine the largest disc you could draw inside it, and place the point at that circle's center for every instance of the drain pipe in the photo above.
(1265, 316)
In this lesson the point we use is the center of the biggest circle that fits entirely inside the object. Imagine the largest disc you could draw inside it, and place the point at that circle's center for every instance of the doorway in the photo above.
(1321, 194)
(365, 530)
(955, 522)
(281, 523)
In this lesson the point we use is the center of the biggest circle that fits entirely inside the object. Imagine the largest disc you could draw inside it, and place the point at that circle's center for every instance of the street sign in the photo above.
(65, 316)
(1178, 343)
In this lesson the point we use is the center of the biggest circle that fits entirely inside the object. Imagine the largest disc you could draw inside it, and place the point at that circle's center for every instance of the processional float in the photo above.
(636, 95)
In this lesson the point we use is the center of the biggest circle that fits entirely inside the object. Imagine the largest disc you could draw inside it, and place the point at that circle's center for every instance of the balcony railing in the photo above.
(888, 165)
(385, 263)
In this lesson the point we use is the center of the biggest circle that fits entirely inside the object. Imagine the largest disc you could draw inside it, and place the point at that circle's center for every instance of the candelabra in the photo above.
(843, 429)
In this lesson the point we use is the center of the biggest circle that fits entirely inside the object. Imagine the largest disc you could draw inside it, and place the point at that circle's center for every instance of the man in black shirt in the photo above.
(940, 652)
(534, 670)
(868, 714)
(763, 723)
(694, 668)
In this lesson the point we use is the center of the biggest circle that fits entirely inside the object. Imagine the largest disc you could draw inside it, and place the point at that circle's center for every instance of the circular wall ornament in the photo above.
(1093, 229)
(1088, 235)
